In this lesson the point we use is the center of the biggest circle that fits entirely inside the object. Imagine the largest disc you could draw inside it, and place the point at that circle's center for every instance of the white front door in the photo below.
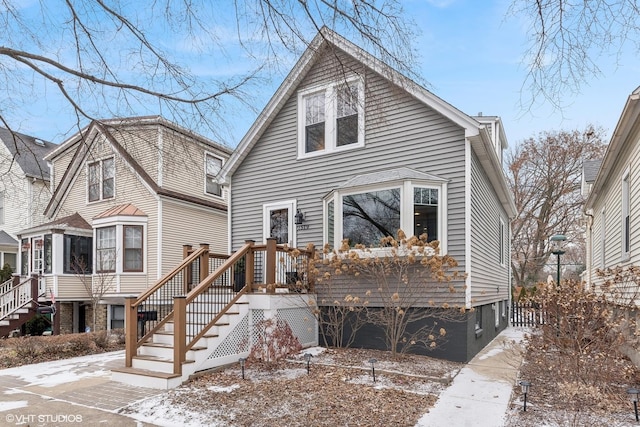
(278, 222)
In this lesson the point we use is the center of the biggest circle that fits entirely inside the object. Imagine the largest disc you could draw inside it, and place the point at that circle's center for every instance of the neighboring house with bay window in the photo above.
(349, 148)
(127, 195)
(24, 188)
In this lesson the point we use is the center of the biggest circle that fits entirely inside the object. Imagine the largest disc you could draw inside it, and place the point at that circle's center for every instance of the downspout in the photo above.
(589, 256)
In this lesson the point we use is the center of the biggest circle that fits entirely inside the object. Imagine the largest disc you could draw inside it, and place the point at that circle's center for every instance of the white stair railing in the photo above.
(15, 298)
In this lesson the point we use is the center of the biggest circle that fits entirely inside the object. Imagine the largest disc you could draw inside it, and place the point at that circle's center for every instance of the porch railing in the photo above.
(194, 311)
(19, 295)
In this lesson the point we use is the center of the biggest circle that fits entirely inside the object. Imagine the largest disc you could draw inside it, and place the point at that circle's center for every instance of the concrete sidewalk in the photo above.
(72, 392)
(479, 395)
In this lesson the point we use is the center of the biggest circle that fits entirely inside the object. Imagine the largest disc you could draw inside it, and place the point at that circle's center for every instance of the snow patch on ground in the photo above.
(8, 406)
(229, 389)
(51, 374)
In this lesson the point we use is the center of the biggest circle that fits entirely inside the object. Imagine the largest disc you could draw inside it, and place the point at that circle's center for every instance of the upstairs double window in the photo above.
(331, 118)
(101, 179)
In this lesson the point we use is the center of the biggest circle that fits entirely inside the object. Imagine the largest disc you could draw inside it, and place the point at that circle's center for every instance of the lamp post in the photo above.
(307, 357)
(557, 249)
(633, 395)
(242, 361)
(373, 368)
(524, 385)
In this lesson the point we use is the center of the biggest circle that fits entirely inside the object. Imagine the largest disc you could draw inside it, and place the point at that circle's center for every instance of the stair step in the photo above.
(159, 359)
(145, 372)
(163, 345)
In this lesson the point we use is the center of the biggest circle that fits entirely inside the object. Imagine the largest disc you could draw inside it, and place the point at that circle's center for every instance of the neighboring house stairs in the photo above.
(193, 320)
(18, 303)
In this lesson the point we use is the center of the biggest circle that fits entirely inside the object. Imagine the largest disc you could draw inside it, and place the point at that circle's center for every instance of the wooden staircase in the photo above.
(176, 329)
(18, 303)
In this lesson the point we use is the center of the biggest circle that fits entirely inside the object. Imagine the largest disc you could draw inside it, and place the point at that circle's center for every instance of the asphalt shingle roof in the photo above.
(28, 152)
(590, 169)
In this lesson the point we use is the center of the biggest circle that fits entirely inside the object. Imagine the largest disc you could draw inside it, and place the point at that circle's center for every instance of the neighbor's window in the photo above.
(106, 249)
(626, 215)
(47, 253)
(331, 118)
(77, 258)
(10, 258)
(213, 165)
(1, 207)
(132, 247)
(501, 232)
(101, 179)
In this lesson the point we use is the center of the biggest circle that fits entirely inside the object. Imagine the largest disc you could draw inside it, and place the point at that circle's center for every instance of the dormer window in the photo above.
(101, 179)
(331, 118)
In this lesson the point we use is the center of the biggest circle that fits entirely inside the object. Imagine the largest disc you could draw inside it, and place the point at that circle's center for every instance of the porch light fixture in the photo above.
(633, 396)
(299, 217)
(307, 357)
(242, 361)
(524, 385)
(373, 368)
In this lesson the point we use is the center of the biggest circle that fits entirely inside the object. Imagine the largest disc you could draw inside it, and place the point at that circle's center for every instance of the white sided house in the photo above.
(344, 127)
(24, 189)
(613, 199)
(127, 195)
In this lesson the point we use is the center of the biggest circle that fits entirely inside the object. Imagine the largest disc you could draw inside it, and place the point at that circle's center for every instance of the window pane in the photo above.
(24, 268)
(347, 130)
(77, 257)
(368, 217)
(10, 258)
(314, 122)
(314, 138)
(214, 165)
(279, 221)
(47, 253)
(1, 207)
(425, 213)
(347, 101)
(330, 224)
(94, 182)
(132, 248)
(106, 249)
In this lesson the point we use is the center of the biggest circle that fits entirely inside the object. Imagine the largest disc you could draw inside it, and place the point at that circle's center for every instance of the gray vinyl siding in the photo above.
(399, 131)
(489, 279)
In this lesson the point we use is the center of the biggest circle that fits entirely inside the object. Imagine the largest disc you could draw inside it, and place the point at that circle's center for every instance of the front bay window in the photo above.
(120, 248)
(331, 118)
(370, 207)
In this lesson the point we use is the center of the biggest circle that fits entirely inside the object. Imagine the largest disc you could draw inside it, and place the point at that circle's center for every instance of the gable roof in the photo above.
(476, 132)
(67, 223)
(628, 123)
(590, 169)
(28, 152)
(6, 239)
(82, 142)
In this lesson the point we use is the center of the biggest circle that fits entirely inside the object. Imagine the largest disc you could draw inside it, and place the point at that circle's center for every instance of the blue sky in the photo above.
(471, 56)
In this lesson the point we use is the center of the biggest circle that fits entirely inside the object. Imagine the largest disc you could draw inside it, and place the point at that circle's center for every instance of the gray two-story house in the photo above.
(345, 126)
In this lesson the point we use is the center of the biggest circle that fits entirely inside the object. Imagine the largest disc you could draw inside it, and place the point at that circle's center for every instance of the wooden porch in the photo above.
(173, 328)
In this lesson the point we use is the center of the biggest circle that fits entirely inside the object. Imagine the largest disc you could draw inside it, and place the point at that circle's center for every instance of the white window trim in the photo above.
(330, 118)
(406, 209)
(626, 211)
(266, 224)
(603, 237)
(2, 207)
(119, 222)
(501, 244)
(208, 153)
(101, 179)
